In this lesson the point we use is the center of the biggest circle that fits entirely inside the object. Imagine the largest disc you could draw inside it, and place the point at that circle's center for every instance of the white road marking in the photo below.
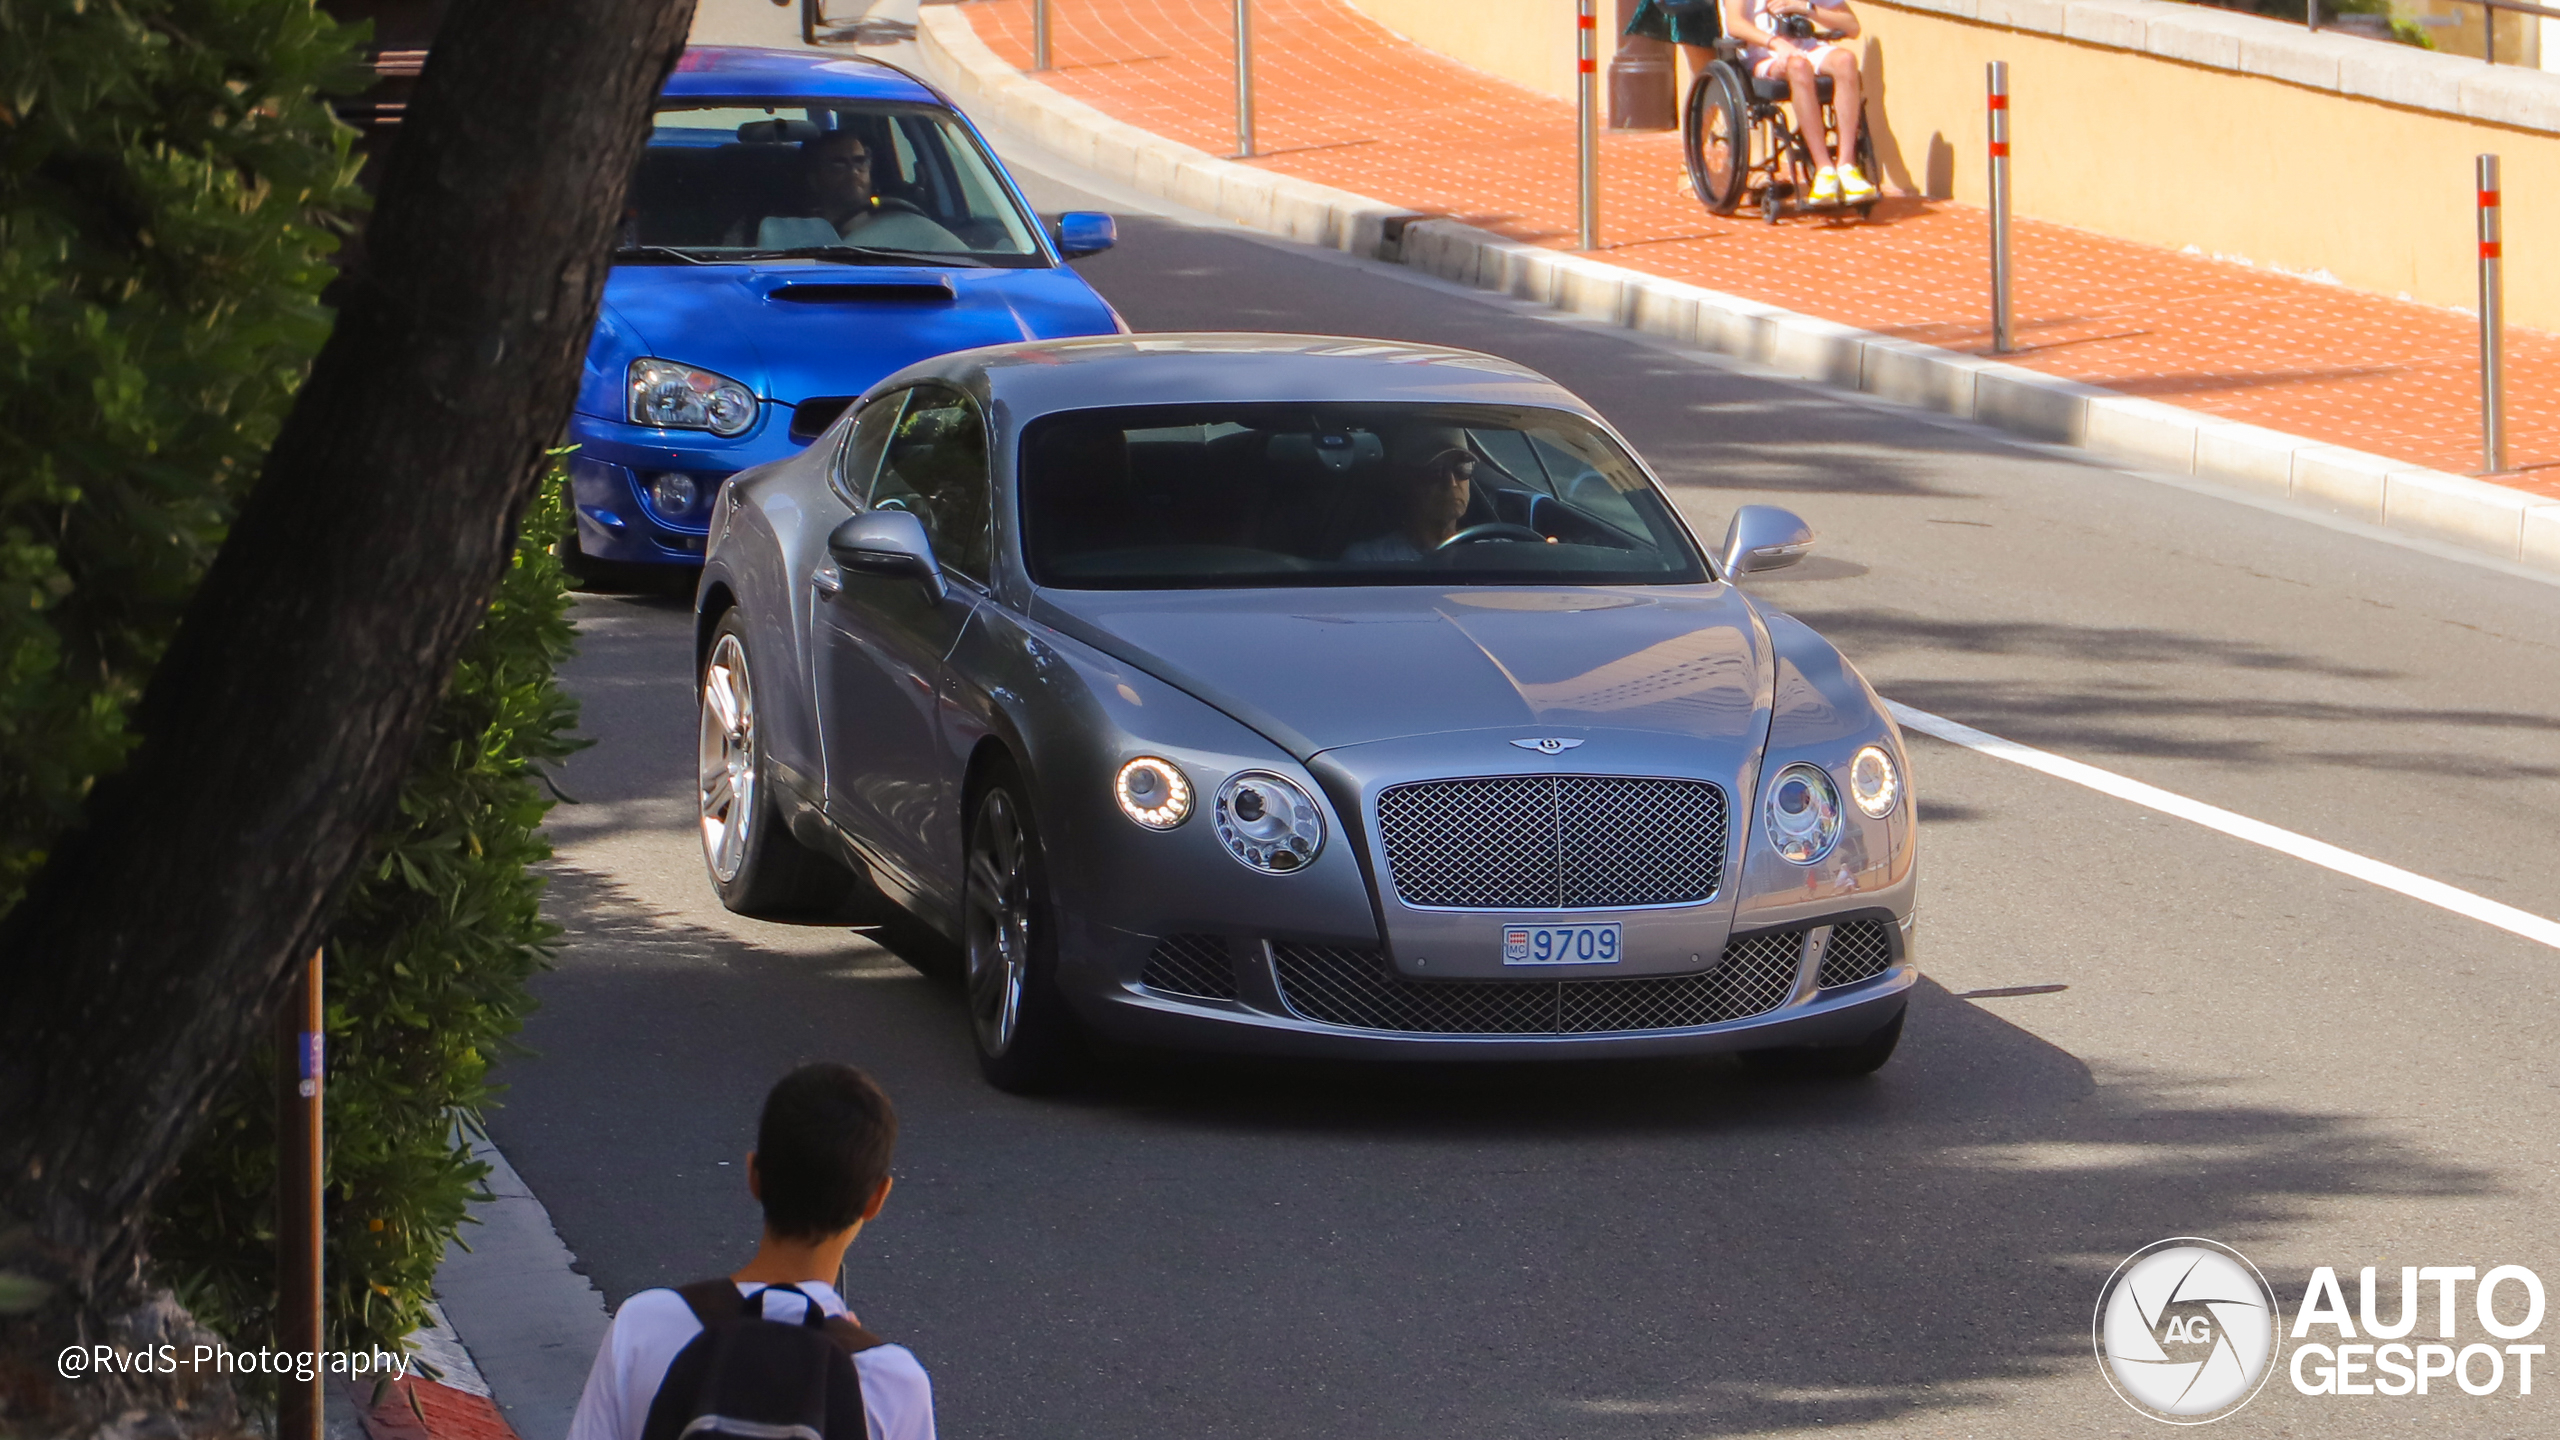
(2257, 832)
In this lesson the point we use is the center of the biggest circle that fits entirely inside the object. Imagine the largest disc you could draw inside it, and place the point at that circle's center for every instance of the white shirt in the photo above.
(897, 1397)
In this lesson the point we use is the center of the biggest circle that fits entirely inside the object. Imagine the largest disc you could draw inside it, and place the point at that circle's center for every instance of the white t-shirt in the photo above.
(897, 1397)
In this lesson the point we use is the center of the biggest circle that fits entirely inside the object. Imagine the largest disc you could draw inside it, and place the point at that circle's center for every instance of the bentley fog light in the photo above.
(1268, 823)
(1803, 814)
(673, 492)
(1873, 787)
(1153, 792)
(680, 397)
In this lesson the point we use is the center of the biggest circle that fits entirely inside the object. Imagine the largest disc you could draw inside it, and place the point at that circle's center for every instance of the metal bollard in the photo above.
(1244, 79)
(2493, 325)
(2003, 339)
(1586, 99)
(1039, 34)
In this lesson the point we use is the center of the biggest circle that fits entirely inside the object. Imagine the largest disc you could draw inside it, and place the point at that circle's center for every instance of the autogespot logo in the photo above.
(2186, 1330)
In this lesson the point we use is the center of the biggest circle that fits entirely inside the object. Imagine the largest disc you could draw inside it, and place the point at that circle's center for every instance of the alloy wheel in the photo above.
(726, 759)
(999, 921)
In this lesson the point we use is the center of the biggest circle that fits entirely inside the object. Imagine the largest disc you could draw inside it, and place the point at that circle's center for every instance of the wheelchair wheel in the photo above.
(1715, 135)
(1867, 164)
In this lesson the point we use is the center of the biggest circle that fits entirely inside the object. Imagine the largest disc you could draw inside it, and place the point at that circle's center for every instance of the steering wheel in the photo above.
(891, 202)
(1492, 530)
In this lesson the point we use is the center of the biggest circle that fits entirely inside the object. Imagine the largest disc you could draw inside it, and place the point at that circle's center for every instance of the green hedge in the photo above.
(425, 982)
(169, 186)
(171, 190)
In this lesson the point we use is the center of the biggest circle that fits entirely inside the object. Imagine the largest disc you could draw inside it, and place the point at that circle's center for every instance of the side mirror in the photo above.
(1764, 537)
(890, 544)
(1086, 232)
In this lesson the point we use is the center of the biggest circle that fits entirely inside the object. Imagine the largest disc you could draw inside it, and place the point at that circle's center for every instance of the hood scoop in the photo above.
(935, 291)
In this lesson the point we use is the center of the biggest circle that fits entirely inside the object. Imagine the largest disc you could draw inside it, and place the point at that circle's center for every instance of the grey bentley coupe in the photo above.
(1297, 695)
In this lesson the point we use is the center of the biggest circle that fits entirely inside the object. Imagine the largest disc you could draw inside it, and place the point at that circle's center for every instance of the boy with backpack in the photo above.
(771, 1353)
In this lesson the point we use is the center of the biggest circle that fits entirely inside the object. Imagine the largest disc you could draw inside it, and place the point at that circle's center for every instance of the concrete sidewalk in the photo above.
(1343, 102)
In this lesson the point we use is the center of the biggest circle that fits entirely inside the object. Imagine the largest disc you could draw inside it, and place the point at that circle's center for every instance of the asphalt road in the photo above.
(2223, 1040)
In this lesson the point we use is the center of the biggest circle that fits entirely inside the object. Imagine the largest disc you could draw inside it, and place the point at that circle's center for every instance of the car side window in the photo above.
(936, 467)
(859, 460)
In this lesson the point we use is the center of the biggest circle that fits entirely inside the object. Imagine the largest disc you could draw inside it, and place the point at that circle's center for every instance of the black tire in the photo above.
(1715, 139)
(1026, 1040)
(1832, 1062)
(754, 863)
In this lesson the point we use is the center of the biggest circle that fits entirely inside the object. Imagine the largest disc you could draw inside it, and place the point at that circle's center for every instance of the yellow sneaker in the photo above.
(1826, 187)
(1854, 187)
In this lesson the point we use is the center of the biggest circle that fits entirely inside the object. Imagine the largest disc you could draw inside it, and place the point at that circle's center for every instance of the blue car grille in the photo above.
(1568, 842)
(1334, 985)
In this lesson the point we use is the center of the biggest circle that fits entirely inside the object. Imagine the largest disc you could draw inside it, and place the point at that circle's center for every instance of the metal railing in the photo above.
(2489, 19)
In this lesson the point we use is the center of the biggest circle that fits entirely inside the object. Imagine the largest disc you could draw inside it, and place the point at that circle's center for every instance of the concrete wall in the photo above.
(2174, 125)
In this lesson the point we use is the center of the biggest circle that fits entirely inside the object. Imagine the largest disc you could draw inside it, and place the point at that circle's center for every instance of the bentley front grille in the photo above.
(1335, 985)
(1194, 965)
(1568, 842)
(1859, 950)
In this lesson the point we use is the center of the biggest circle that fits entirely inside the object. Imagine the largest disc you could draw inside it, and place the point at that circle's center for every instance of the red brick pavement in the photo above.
(1342, 101)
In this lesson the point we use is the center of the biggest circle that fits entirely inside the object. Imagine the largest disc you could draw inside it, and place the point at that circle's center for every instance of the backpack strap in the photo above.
(717, 1302)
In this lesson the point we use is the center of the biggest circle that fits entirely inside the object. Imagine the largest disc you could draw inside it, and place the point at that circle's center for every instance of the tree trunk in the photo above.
(139, 967)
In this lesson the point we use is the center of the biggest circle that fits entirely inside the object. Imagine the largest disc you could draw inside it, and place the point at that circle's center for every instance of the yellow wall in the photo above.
(1527, 42)
(2377, 196)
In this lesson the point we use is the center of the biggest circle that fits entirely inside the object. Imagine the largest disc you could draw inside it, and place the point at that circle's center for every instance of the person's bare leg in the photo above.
(1846, 101)
(1808, 106)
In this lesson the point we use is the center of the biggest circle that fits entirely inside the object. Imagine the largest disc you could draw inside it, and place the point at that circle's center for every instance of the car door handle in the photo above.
(827, 582)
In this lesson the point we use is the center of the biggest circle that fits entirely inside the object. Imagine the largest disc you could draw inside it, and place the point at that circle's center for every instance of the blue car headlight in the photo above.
(682, 397)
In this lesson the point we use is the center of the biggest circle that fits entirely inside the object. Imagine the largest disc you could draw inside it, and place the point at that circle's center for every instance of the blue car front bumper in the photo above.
(610, 473)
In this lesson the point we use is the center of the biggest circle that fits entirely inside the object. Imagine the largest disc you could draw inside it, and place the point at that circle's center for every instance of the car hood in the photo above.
(795, 330)
(1316, 670)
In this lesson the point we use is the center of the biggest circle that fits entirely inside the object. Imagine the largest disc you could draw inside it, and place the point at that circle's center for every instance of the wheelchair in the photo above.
(1742, 146)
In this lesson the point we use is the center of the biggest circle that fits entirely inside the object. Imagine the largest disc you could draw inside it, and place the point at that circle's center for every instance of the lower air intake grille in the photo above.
(1195, 965)
(1859, 950)
(1339, 986)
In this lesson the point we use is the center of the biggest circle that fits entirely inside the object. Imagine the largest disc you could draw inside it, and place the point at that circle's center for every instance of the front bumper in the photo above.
(616, 519)
(1828, 982)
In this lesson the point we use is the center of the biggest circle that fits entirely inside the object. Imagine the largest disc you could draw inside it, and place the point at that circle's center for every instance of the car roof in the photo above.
(1042, 377)
(720, 72)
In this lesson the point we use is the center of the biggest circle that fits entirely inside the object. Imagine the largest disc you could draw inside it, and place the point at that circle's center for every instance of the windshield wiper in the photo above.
(864, 255)
(663, 252)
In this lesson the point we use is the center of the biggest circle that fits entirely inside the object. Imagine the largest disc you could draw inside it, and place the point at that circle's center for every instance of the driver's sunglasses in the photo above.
(846, 160)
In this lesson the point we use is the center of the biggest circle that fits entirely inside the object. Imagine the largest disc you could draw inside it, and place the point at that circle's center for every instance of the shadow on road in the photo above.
(1197, 1246)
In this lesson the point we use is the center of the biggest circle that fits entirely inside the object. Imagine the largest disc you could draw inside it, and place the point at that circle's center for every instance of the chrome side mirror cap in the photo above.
(1763, 537)
(890, 544)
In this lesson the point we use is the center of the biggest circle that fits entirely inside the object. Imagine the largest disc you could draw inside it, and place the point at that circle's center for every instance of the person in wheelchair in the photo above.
(1793, 40)
(843, 206)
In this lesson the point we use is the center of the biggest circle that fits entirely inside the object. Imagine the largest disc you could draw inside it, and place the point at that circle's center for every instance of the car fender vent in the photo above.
(810, 418)
(876, 292)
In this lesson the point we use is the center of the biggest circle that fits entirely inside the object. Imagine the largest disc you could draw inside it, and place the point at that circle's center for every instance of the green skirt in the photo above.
(1683, 22)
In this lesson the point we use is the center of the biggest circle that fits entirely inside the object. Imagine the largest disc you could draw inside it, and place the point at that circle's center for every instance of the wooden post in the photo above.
(300, 1327)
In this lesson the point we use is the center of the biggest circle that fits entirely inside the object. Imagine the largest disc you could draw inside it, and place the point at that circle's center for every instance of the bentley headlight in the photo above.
(1153, 792)
(680, 397)
(1268, 823)
(1803, 813)
(1873, 785)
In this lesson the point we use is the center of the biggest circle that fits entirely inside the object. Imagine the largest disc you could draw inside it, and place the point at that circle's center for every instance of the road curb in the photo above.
(2475, 515)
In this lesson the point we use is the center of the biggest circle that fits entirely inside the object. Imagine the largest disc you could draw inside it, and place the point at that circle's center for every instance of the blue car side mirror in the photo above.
(1086, 232)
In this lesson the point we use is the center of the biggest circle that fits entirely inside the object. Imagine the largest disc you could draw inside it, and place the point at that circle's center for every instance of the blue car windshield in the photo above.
(1248, 495)
(732, 180)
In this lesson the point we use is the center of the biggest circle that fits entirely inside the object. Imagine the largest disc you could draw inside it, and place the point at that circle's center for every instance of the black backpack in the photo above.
(759, 1379)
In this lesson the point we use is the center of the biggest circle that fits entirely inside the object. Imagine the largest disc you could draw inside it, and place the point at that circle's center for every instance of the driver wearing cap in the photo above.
(1433, 473)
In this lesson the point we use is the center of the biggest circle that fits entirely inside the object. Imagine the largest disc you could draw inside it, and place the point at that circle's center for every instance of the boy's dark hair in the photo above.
(821, 1149)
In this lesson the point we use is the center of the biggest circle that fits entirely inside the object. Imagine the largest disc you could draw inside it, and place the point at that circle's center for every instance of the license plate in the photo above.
(1560, 944)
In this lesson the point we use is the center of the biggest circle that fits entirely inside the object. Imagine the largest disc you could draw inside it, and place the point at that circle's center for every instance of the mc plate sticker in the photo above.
(1560, 944)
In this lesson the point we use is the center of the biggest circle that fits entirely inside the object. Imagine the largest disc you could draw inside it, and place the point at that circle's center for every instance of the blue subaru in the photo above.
(800, 226)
